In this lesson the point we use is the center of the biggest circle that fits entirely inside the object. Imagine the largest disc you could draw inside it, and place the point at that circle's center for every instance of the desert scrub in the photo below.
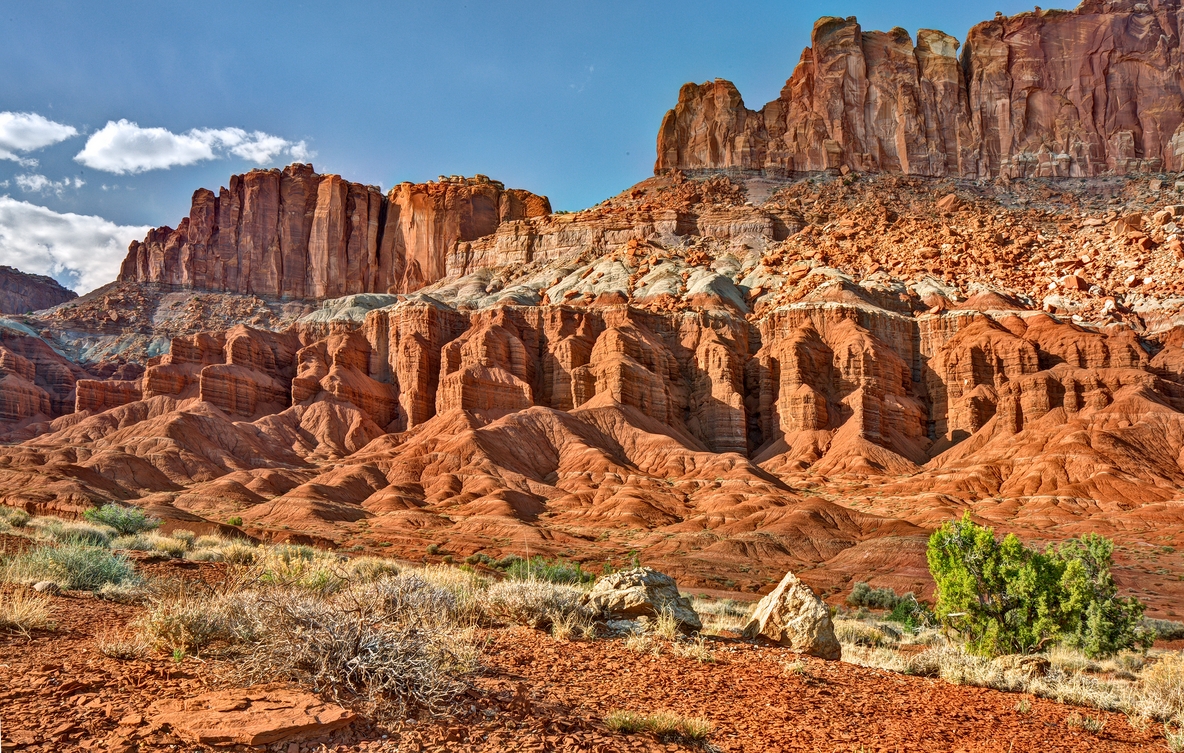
(533, 603)
(468, 588)
(14, 517)
(22, 611)
(71, 566)
(371, 568)
(1168, 630)
(552, 571)
(299, 565)
(71, 532)
(664, 724)
(124, 520)
(184, 623)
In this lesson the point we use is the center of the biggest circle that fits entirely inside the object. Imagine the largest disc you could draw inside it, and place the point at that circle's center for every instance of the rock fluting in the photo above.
(21, 292)
(1047, 93)
(292, 233)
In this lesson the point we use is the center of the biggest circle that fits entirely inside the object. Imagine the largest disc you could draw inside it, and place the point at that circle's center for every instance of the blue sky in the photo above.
(563, 99)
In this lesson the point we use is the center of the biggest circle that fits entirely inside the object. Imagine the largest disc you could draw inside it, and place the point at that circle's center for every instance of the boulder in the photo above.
(258, 716)
(793, 616)
(641, 592)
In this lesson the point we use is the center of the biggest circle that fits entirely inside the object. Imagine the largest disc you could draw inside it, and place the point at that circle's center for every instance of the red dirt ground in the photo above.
(58, 692)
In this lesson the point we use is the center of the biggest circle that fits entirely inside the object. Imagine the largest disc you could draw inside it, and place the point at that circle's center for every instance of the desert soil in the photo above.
(59, 692)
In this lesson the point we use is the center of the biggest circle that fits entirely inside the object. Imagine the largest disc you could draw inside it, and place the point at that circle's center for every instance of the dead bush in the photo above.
(390, 646)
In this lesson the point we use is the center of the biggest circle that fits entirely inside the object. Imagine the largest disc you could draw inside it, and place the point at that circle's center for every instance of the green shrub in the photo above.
(125, 520)
(234, 521)
(912, 614)
(863, 595)
(552, 571)
(507, 562)
(1006, 598)
(480, 558)
(71, 566)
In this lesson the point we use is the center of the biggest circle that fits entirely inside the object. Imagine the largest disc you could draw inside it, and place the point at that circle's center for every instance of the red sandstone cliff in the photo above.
(296, 234)
(21, 292)
(1042, 94)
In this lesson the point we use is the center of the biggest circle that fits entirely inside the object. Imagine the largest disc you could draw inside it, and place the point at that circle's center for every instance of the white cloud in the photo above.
(80, 251)
(40, 184)
(124, 147)
(22, 132)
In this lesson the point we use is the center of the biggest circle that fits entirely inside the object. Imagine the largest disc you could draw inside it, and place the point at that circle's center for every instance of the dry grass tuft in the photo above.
(663, 724)
(571, 625)
(665, 626)
(186, 622)
(125, 647)
(371, 568)
(1088, 723)
(22, 611)
(694, 649)
(643, 643)
(1163, 686)
(1173, 732)
(870, 634)
(721, 616)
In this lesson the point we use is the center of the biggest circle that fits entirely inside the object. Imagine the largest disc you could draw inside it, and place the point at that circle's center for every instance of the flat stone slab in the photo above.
(255, 716)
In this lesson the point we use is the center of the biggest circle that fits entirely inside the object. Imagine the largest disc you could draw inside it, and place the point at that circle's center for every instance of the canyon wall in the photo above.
(296, 234)
(21, 292)
(1047, 93)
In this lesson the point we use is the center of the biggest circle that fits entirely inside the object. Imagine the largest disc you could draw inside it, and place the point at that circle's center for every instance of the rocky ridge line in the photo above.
(1046, 93)
(294, 234)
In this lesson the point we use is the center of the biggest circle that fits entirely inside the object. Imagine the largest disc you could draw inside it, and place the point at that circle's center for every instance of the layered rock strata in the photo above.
(1047, 93)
